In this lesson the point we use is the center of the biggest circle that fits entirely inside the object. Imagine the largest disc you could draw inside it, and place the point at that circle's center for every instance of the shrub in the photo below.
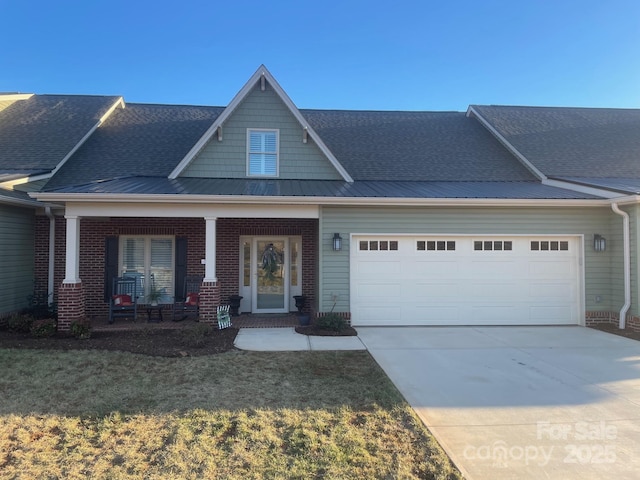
(20, 323)
(81, 329)
(45, 327)
(331, 321)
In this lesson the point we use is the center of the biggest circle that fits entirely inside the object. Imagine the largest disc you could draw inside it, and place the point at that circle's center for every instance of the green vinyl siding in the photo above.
(599, 267)
(17, 226)
(262, 110)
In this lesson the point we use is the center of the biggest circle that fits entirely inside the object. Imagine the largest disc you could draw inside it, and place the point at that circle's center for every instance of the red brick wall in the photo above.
(92, 246)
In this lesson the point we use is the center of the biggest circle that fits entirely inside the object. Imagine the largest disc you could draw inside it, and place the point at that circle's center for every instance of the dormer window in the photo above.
(262, 153)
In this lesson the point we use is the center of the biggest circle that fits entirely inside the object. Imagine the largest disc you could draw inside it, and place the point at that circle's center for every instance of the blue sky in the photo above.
(402, 55)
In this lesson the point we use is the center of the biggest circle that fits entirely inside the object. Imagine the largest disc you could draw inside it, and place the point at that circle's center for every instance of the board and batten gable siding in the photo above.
(228, 158)
(17, 237)
(468, 221)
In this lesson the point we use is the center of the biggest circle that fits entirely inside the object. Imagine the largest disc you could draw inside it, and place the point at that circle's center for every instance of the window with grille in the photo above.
(493, 245)
(549, 245)
(435, 245)
(262, 153)
(378, 245)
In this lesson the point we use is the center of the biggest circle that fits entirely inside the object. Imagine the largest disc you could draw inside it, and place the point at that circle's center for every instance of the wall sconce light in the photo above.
(599, 243)
(337, 242)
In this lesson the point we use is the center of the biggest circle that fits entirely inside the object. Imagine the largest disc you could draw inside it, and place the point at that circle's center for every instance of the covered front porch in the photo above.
(266, 255)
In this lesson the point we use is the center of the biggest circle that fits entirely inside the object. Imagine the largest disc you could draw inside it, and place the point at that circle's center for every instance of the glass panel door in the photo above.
(271, 292)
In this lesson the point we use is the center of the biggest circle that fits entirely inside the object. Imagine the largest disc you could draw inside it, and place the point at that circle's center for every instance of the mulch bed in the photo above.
(319, 332)
(187, 342)
(628, 333)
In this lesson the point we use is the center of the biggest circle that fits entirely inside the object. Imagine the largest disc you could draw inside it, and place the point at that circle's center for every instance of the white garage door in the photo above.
(426, 280)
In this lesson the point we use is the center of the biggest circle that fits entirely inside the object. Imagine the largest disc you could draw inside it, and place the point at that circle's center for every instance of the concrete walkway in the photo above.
(287, 340)
(521, 402)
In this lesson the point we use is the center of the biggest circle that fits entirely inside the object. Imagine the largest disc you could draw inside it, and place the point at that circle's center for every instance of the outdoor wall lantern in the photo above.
(599, 243)
(337, 242)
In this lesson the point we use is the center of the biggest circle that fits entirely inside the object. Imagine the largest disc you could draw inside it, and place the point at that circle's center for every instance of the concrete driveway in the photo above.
(521, 402)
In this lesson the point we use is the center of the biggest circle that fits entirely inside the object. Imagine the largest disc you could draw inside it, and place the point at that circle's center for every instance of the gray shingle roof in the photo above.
(325, 188)
(137, 140)
(37, 133)
(572, 142)
(425, 146)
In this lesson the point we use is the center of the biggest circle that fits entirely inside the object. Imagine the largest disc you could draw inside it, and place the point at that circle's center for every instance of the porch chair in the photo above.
(187, 302)
(124, 298)
(224, 319)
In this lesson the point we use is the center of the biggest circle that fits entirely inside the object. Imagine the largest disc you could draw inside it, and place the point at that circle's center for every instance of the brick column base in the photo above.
(209, 301)
(70, 305)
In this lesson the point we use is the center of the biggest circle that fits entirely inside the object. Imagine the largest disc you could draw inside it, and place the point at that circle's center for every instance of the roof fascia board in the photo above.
(240, 96)
(485, 123)
(118, 103)
(250, 199)
(581, 188)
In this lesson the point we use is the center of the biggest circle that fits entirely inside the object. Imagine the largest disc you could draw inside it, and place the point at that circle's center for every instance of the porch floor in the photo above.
(245, 320)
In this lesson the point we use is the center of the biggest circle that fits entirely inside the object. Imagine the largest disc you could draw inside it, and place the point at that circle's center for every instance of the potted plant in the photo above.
(303, 319)
(154, 296)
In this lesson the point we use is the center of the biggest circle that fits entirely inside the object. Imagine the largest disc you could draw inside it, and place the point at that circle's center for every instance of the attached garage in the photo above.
(465, 280)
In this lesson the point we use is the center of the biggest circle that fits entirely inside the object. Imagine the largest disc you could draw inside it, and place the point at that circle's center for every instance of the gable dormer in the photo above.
(261, 134)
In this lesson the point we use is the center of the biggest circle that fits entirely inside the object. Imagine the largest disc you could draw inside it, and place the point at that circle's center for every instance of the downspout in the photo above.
(627, 264)
(52, 253)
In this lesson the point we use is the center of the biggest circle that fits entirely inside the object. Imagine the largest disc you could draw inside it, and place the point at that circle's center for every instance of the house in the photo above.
(494, 216)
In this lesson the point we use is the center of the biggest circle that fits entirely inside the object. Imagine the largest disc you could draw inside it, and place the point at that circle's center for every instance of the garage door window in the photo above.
(493, 245)
(378, 245)
(435, 245)
(549, 245)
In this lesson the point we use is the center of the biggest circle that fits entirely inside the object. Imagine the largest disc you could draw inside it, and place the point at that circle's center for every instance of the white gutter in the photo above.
(52, 254)
(627, 265)
(310, 200)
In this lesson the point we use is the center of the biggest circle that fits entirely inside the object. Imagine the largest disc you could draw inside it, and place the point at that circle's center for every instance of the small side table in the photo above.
(154, 313)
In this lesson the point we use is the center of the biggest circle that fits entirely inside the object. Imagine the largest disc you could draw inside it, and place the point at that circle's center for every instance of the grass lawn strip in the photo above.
(235, 415)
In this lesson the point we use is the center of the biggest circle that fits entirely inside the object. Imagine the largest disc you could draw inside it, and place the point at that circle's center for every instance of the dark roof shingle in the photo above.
(572, 142)
(424, 146)
(37, 133)
(137, 140)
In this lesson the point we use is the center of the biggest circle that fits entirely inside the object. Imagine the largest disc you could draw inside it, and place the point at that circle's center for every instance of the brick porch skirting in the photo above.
(209, 301)
(70, 305)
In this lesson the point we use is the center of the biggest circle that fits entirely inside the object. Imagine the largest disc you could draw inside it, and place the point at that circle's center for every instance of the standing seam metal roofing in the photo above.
(324, 188)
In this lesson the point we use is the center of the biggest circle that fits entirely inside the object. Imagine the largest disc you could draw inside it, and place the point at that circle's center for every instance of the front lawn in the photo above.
(236, 415)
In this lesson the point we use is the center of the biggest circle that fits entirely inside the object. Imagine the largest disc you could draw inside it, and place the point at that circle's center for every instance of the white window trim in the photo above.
(277, 152)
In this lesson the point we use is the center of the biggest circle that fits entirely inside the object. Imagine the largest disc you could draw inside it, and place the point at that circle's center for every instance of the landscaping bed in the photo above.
(194, 340)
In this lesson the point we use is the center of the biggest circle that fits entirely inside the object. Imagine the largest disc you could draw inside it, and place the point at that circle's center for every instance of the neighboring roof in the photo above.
(324, 188)
(423, 146)
(37, 133)
(137, 140)
(571, 142)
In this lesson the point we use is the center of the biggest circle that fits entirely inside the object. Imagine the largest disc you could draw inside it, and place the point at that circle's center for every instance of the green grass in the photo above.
(238, 415)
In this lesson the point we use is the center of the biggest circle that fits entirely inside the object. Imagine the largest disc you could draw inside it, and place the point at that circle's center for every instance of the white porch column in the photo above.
(210, 250)
(72, 265)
